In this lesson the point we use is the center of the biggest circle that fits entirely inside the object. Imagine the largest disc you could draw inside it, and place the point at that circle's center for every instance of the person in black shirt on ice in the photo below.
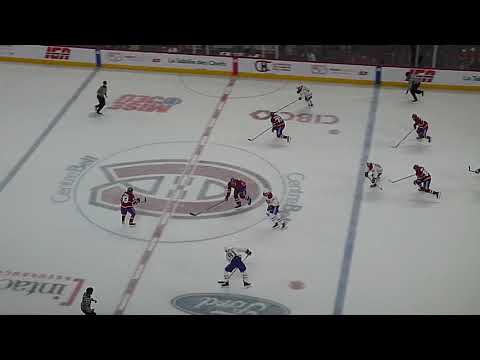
(413, 85)
(101, 95)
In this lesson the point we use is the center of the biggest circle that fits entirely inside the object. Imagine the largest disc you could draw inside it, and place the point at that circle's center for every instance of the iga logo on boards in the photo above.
(424, 75)
(58, 53)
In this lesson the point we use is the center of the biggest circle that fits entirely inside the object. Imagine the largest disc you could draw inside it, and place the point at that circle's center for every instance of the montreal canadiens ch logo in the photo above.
(153, 179)
(98, 189)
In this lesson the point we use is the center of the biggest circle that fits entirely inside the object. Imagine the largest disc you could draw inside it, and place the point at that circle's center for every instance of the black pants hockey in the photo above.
(414, 90)
(101, 103)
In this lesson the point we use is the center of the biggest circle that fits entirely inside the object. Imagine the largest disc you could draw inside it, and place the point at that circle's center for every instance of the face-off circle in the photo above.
(98, 191)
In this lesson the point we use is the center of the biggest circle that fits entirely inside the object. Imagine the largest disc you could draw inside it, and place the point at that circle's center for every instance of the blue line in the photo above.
(357, 201)
(45, 132)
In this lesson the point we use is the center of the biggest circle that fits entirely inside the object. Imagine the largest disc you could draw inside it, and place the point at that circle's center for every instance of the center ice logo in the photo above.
(144, 103)
(156, 179)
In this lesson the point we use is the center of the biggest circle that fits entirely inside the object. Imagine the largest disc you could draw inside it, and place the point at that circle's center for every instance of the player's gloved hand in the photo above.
(366, 174)
(300, 98)
(248, 252)
(477, 171)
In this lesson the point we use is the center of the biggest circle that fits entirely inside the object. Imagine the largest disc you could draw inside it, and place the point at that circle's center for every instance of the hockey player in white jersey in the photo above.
(305, 93)
(234, 257)
(273, 205)
(373, 172)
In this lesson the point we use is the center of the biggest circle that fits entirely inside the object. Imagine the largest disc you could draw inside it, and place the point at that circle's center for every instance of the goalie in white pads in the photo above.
(306, 94)
(273, 205)
(235, 262)
(373, 172)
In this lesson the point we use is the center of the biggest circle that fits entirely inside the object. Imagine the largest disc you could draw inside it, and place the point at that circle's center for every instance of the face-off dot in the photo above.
(296, 285)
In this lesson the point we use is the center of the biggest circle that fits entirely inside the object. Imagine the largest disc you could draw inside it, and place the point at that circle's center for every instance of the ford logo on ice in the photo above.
(227, 304)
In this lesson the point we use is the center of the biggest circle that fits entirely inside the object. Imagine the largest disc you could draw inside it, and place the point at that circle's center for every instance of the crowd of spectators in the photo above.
(462, 57)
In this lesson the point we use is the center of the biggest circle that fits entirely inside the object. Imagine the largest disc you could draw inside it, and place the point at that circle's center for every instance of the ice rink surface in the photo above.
(63, 169)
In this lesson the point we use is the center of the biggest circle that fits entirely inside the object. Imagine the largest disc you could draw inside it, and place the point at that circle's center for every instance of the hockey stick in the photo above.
(223, 281)
(263, 132)
(398, 144)
(377, 186)
(406, 177)
(140, 201)
(210, 207)
(474, 171)
(286, 106)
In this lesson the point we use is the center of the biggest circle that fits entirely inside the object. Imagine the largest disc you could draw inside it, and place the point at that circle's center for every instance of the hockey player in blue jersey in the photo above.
(235, 262)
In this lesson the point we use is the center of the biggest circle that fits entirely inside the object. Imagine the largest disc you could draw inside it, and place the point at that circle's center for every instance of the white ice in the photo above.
(413, 254)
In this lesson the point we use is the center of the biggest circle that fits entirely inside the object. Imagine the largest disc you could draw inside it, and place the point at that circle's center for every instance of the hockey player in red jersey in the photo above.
(423, 180)
(422, 128)
(239, 191)
(278, 125)
(127, 201)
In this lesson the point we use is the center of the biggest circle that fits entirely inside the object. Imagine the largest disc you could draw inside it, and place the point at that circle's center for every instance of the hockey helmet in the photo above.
(272, 114)
(130, 189)
(268, 194)
(415, 167)
(414, 116)
(89, 290)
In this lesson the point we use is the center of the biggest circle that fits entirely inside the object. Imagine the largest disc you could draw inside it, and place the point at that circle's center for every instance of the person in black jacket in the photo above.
(86, 302)
(413, 85)
(101, 95)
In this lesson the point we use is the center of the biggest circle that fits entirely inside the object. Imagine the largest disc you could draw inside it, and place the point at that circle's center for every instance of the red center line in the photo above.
(173, 201)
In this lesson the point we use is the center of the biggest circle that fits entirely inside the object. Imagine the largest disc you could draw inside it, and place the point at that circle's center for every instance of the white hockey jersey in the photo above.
(374, 171)
(305, 92)
(231, 252)
(272, 201)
